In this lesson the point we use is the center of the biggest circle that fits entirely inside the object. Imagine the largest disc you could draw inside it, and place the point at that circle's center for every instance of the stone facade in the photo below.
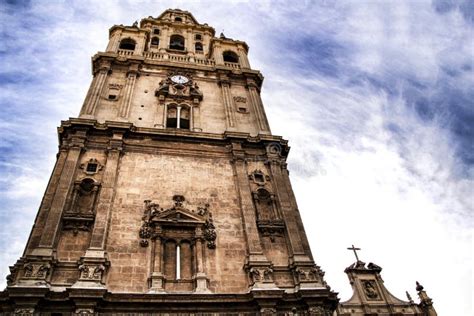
(170, 195)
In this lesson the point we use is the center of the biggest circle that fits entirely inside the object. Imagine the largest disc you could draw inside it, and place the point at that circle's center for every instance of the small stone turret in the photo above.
(426, 304)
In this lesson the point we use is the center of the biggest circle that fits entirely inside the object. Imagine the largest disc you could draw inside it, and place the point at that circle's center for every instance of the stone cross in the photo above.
(355, 251)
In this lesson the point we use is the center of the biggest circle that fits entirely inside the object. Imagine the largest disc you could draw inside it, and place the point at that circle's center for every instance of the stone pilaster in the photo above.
(228, 103)
(132, 75)
(296, 245)
(157, 277)
(257, 105)
(47, 200)
(244, 61)
(95, 90)
(107, 193)
(65, 184)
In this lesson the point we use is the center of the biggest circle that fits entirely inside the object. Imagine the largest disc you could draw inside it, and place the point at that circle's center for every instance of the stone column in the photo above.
(200, 276)
(65, 183)
(196, 118)
(178, 116)
(257, 105)
(95, 89)
(157, 278)
(106, 197)
(132, 75)
(228, 103)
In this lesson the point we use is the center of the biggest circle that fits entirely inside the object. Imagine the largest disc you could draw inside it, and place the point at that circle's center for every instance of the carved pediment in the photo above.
(179, 215)
(155, 216)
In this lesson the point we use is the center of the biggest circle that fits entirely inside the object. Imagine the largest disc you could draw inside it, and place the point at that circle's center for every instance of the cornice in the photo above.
(130, 131)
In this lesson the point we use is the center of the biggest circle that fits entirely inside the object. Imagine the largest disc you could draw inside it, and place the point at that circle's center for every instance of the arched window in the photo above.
(177, 42)
(230, 57)
(198, 47)
(156, 31)
(178, 117)
(198, 37)
(155, 41)
(127, 43)
(178, 19)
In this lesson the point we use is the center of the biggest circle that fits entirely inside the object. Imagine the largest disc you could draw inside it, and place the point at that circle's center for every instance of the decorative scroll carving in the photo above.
(91, 272)
(370, 289)
(154, 216)
(36, 271)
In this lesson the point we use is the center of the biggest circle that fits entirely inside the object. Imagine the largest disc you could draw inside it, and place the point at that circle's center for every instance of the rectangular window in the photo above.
(91, 167)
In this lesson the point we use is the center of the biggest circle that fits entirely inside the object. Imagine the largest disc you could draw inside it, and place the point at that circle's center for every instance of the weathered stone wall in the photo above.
(147, 111)
(158, 177)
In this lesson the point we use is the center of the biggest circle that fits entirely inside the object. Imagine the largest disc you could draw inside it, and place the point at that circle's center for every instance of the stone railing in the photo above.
(232, 65)
(125, 52)
(178, 58)
(185, 59)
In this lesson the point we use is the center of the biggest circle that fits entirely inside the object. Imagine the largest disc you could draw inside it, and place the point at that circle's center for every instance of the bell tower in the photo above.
(170, 195)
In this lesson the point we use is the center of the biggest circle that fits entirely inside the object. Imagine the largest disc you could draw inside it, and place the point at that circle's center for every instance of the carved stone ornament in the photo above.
(239, 99)
(179, 91)
(370, 289)
(259, 177)
(36, 271)
(28, 311)
(91, 272)
(261, 275)
(84, 311)
(115, 86)
(154, 216)
(319, 311)
(271, 228)
(309, 274)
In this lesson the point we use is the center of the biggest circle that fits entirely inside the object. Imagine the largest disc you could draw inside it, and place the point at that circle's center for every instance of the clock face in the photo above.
(179, 79)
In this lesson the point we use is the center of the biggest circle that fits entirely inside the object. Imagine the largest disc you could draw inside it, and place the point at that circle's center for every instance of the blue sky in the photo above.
(375, 97)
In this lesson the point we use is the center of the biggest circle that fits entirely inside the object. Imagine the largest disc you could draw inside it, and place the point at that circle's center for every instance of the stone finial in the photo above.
(409, 297)
(419, 287)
